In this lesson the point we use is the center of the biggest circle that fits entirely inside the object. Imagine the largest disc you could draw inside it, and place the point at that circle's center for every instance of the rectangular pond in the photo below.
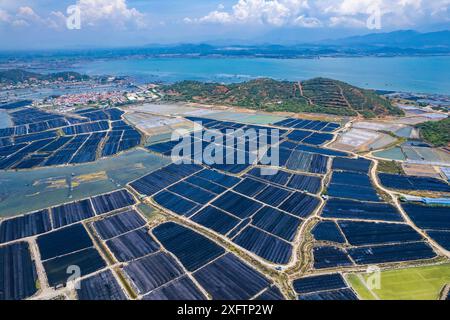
(26, 191)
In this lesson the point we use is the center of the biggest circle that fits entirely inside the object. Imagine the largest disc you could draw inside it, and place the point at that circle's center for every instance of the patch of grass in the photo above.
(125, 284)
(390, 167)
(363, 292)
(149, 212)
(38, 285)
(417, 283)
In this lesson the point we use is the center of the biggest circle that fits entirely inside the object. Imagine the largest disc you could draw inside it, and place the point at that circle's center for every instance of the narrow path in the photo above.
(300, 86)
(341, 91)
(373, 175)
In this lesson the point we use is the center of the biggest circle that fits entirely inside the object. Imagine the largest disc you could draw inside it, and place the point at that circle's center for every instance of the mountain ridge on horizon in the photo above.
(400, 42)
(400, 35)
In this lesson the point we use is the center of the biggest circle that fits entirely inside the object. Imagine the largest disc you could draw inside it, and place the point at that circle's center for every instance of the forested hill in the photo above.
(14, 76)
(319, 95)
(436, 132)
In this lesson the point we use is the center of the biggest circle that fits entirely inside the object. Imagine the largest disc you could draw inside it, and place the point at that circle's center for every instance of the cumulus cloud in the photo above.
(4, 16)
(19, 23)
(331, 13)
(115, 12)
(93, 13)
(271, 12)
(24, 16)
(306, 22)
(28, 13)
(216, 17)
(346, 22)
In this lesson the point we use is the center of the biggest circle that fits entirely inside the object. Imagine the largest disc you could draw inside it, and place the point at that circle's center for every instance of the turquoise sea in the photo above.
(410, 74)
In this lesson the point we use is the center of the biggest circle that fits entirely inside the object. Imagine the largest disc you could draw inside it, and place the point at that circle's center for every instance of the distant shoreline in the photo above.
(83, 54)
(424, 74)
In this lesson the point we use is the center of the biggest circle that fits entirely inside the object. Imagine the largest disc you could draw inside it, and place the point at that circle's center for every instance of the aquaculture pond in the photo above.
(26, 191)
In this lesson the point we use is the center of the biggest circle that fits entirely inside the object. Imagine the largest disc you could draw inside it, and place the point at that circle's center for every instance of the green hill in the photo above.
(318, 95)
(14, 76)
(17, 75)
(436, 132)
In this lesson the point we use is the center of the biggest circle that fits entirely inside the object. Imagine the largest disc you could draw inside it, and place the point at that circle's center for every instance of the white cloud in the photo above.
(23, 17)
(216, 17)
(331, 13)
(94, 13)
(115, 12)
(56, 20)
(19, 23)
(271, 12)
(4, 16)
(351, 7)
(28, 13)
(306, 22)
(26, 16)
(347, 22)
(395, 13)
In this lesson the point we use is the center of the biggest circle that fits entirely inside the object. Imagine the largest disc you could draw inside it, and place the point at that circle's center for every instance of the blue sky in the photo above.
(42, 23)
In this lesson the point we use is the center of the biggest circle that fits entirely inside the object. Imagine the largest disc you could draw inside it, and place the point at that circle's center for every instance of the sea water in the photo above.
(409, 74)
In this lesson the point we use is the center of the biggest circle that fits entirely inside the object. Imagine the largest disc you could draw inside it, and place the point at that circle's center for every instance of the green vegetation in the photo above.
(38, 285)
(318, 95)
(149, 212)
(14, 76)
(334, 95)
(125, 283)
(390, 167)
(436, 132)
(417, 283)
(363, 292)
